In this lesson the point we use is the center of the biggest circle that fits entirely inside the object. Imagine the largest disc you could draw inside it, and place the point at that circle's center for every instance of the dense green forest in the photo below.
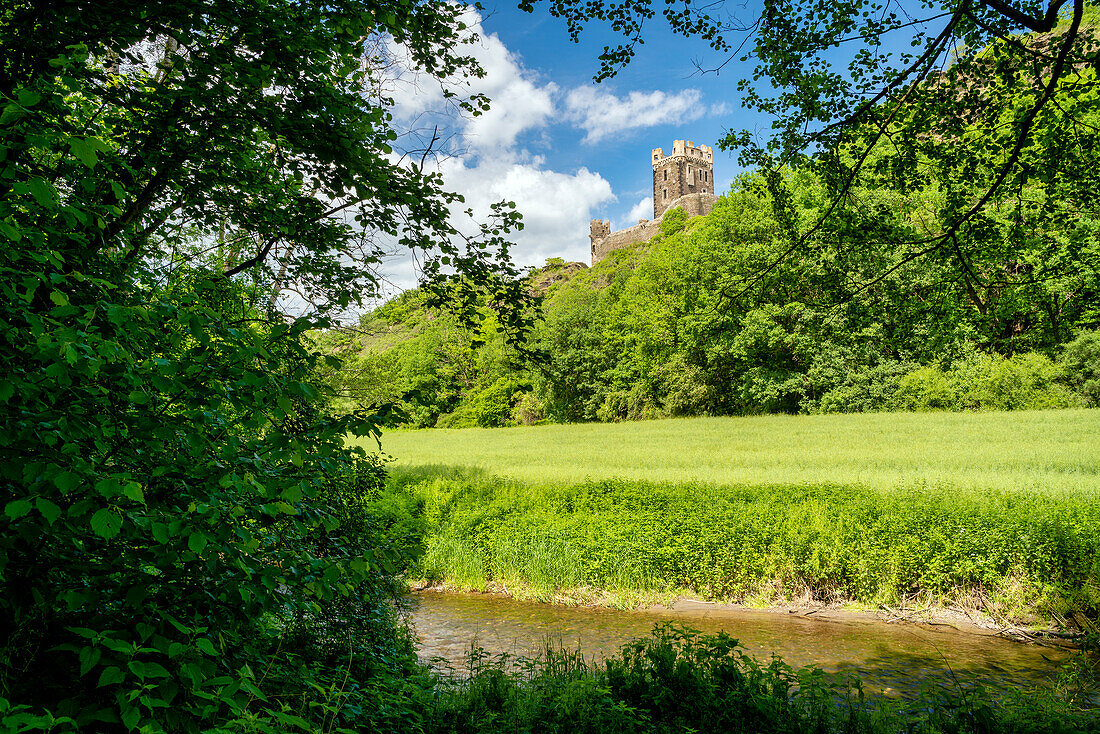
(708, 319)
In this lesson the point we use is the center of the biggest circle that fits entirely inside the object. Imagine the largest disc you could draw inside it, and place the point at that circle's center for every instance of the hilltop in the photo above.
(685, 324)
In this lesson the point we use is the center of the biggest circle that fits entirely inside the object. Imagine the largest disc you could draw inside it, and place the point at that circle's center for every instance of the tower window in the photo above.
(666, 174)
(664, 193)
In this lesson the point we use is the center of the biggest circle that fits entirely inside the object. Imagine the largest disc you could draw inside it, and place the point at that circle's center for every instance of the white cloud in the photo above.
(556, 206)
(642, 210)
(518, 100)
(601, 114)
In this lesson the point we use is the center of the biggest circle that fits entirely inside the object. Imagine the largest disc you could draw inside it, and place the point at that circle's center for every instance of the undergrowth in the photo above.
(679, 680)
(1017, 555)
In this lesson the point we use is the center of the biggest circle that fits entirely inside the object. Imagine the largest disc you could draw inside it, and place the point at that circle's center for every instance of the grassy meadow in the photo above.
(1047, 451)
(994, 511)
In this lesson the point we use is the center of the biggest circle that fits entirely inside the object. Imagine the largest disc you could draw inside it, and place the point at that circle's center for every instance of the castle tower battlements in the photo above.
(684, 179)
(689, 169)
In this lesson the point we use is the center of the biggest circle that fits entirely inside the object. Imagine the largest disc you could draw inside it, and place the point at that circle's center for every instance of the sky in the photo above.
(565, 149)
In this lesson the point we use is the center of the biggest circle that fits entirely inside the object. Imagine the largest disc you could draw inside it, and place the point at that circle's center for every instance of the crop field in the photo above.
(996, 512)
(1049, 451)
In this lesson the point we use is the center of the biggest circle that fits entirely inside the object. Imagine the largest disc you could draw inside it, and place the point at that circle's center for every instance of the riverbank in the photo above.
(674, 606)
(994, 515)
(523, 667)
(904, 657)
(1024, 561)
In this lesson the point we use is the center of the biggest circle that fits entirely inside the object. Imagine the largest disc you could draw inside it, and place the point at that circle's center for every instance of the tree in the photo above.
(984, 99)
(174, 180)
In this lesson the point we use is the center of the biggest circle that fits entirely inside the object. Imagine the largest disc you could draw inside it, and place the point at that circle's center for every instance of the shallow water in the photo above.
(902, 657)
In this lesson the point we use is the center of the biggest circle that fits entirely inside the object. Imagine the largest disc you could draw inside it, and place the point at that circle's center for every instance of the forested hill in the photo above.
(707, 318)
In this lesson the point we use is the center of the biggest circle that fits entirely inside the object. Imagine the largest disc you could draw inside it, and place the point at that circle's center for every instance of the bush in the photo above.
(985, 382)
(1081, 367)
(925, 388)
(635, 404)
(529, 410)
(1021, 382)
(855, 388)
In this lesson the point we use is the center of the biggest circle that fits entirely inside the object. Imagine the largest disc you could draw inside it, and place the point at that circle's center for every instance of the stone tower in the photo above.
(687, 170)
(598, 230)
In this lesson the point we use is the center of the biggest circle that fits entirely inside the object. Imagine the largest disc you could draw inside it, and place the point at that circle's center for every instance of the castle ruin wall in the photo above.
(683, 179)
(604, 241)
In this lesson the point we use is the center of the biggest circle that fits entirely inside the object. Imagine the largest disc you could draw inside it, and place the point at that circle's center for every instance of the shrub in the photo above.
(1021, 382)
(925, 388)
(529, 410)
(1081, 366)
(985, 382)
(859, 388)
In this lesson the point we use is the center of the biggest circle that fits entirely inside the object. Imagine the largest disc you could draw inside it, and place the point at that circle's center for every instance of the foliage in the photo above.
(1010, 553)
(660, 329)
(183, 543)
(679, 680)
(985, 382)
(1081, 361)
(986, 108)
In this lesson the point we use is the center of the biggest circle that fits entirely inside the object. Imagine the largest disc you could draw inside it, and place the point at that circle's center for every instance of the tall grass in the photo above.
(996, 511)
(1047, 451)
(1017, 554)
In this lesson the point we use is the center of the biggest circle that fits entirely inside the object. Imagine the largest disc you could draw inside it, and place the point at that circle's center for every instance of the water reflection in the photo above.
(903, 657)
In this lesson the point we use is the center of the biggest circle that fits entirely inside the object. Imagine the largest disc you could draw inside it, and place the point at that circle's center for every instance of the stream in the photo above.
(899, 659)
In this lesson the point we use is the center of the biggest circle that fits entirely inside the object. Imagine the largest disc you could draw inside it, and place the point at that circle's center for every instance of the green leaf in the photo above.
(48, 509)
(204, 644)
(59, 298)
(197, 542)
(130, 717)
(28, 97)
(84, 151)
(156, 670)
(9, 231)
(160, 533)
(67, 481)
(18, 509)
(89, 656)
(7, 389)
(134, 491)
(11, 113)
(109, 487)
(106, 523)
(43, 191)
(110, 676)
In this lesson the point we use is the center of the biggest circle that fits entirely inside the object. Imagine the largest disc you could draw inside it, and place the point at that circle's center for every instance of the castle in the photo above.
(681, 179)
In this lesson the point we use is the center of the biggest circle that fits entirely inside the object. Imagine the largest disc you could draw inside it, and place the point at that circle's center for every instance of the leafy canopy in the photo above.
(982, 96)
(174, 177)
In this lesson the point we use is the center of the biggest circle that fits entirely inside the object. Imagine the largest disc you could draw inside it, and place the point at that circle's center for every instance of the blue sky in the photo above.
(565, 149)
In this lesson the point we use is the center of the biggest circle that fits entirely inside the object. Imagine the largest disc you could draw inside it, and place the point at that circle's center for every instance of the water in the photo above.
(900, 659)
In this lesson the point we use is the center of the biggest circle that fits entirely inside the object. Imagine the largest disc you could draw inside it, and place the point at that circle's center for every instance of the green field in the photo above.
(996, 512)
(1036, 450)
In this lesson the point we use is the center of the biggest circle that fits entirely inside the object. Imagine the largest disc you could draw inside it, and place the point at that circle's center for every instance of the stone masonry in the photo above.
(686, 171)
(683, 179)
